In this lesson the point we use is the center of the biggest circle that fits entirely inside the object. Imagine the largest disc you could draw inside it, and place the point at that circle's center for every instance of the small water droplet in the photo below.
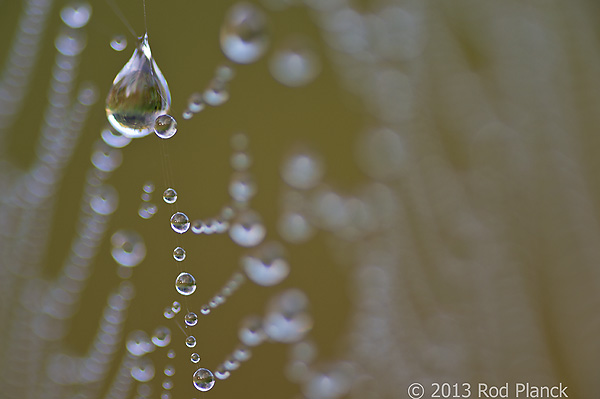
(168, 313)
(243, 34)
(161, 336)
(165, 126)
(170, 196)
(190, 341)
(295, 64)
(224, 73)
(194, 357)
(176, 307)
(118, 43)
(70, 43)
(167, 384)
(179, 254)
(205, 309)
(139, 94)
(240, 161)
(180, 223)
(203, 379)
(191, 319)
(221, 373)
(242, 353)
(171, 354)
(247, 229)
(105, 158)
(267, 265)
(185, 284)
(76, 15)
(148, 187)
(128, 248)
(187, 114)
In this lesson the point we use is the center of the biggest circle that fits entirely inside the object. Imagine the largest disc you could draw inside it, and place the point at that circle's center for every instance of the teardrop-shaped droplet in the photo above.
(139, 94)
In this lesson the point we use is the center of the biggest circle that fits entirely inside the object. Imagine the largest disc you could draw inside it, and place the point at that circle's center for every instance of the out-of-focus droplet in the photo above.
(77, 14)
(165, 126)
(143, 370)
(185, 284)
(176, 307)
(247, 229)
(138, 343)
(251, 331)
(294, 227)
(242, 187)
(147, 210)
(203, 379)
(128, 248)
(114, 139)
(302, 170)
(118, 42)
(216, 93)
(243, 36)
(295, 63)
(70, 43)
(180, 223)
(196, 103)
(105, 200)
(287, 319)
(267, 265)
(179, 254)
(161, 337)
(139, 94)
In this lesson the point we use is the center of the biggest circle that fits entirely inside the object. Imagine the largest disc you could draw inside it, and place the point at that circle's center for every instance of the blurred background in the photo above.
(429, 168)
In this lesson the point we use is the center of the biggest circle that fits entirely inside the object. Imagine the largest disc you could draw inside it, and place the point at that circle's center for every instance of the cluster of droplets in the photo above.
(147, 209)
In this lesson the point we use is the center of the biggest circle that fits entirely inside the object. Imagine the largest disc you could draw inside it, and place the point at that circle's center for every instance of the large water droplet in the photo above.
(247, 229)
(180, 223)
(128, 248)
(267, 265)
(165, 126)
(185, 284)
(139, 94)
(243, 35)
(203, 379)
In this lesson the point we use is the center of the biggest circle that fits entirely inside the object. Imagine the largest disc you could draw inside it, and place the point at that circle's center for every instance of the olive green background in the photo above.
(184, 37)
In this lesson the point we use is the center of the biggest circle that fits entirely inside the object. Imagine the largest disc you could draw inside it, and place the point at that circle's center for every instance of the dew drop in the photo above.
(114, 139)
(247, 229)
(179, 254)
(286, 319)
(147, 210)
(170, 196)
(205, 310)
(242, 353)
(191, 319)
(294, 227)
(185, 284)
(105, 200)
(216, 93)
(302, 170)
(105, 158)
(196, 103)
(118, 43)
(251, 331)
(221, 373)
(194, 357)
(128, 248)
(224, 73)
(167, 384)
(168, 313)
(190, 341)
(70, 43)
(243, 34)
(138, 343)
(76, 15)
(161, 337)
(143, 370)
(169, 371)
(176, 307)
(242, 187)
(180, 223)
(203, 379)
(148, 187)
(165, 126)
(267, 265)
(295, 64)
(171, 354)
(139, 94)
